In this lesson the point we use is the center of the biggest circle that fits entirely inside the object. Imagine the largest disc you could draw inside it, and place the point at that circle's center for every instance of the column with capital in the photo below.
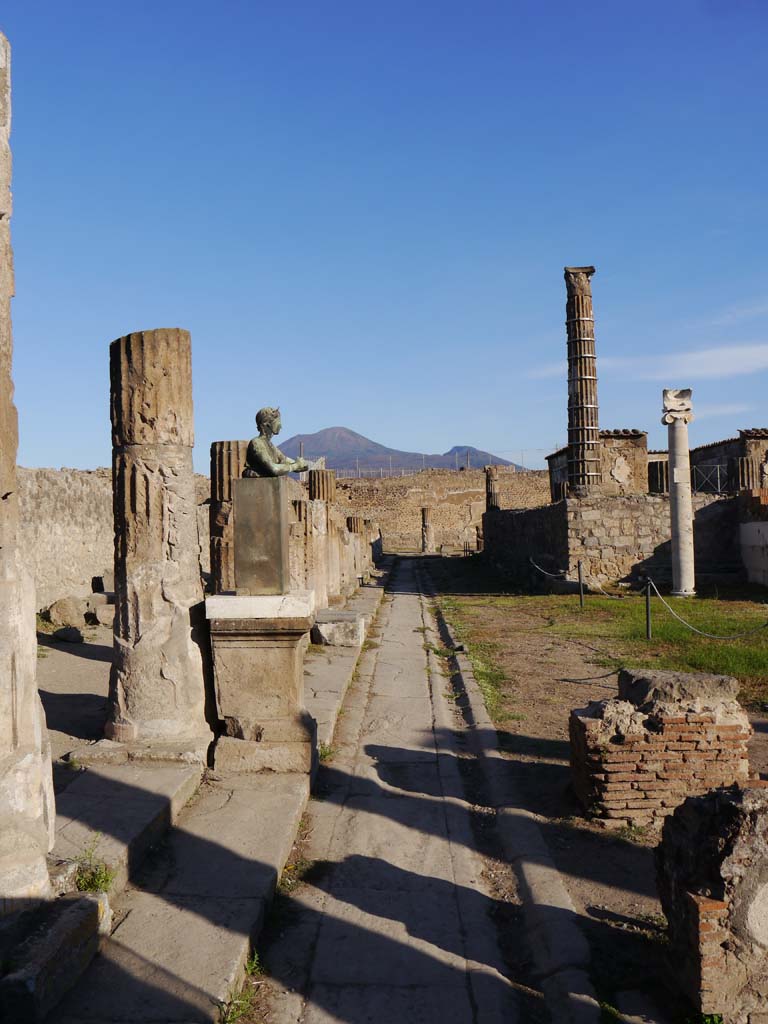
(584, 475)
(676, 415)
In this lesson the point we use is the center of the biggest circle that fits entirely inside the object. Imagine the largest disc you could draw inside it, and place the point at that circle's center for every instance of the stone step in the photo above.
(186, 928)
(108, 816)
(115, 813)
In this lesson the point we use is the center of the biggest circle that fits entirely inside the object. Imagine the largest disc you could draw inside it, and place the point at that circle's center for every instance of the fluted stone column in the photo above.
(676, 415)
(26, 790)
(322, 485)
(584, 474)
(491, 488)
(227, 463)
(157, 691)
(427, 531)
(355, 524)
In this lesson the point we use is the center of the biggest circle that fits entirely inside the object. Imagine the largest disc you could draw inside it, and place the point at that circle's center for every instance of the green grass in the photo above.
(325, 752)
(617, 628)
(93, 875)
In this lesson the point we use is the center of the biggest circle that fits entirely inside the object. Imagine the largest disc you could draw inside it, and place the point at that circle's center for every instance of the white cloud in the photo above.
(676, 369)
(706, 412)
(735, 314)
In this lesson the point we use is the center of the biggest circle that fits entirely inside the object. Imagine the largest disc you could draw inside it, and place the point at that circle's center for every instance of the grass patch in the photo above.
(238, 1006)
(93, 875)
(616, 631)
(325, 752)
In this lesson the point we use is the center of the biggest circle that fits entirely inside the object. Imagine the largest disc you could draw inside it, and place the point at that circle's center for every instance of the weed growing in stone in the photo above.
(253, 967)
(325, 752)
(93, 875)
(238, 1006)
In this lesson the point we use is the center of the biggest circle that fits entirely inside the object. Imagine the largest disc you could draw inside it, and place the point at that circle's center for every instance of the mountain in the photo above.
(343, 448)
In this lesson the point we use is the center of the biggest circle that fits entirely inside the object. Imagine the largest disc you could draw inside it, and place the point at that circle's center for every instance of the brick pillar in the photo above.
(584, 474)
(322, 485)
(712, 866)
(227, 463)
(26, 789)
(157, 690)
(491, 488)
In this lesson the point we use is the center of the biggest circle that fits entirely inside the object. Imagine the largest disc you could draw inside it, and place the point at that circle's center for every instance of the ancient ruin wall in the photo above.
(457, 501)
(612, 536)
(66, 532)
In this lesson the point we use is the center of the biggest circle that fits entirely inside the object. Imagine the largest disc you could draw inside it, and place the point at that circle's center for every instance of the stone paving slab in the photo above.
(396, 939)
(388, 1004)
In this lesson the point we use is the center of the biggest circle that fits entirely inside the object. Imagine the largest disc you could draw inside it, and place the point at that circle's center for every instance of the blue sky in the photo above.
(362, 211)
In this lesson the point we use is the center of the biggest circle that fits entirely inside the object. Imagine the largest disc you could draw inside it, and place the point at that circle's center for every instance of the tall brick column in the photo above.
(157, 691)
(227, 463)
(584, 474)
(26, 790)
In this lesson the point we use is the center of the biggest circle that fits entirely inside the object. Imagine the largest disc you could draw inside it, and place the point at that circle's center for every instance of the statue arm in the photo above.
(264, 464)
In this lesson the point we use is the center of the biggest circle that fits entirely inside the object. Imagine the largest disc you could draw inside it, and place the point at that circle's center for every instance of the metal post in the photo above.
(581, 587)
(648, 630)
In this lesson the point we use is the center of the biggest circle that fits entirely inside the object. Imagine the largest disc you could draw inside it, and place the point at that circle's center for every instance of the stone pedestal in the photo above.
(677, 414)
(157, 688)
(262, 532)
(227, 464)
(259, 680)
(27, 811)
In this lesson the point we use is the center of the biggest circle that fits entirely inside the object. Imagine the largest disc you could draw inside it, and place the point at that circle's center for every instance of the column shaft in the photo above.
(157, 690)
(584, 473)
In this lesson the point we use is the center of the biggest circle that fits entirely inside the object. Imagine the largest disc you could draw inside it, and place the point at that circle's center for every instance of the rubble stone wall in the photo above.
(613, 536)
(457, 501)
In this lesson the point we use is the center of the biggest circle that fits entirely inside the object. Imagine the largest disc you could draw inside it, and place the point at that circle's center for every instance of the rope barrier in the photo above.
(701, 632)
(560, 574)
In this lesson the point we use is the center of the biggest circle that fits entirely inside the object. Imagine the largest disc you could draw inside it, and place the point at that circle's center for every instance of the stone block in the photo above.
(67, 611)
(338, 629)
(49, 962)
(261, 535)
(641, 687)
(236, 755)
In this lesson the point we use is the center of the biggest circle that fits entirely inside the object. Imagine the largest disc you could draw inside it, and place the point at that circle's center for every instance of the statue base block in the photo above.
(258, 647)
(261, 531)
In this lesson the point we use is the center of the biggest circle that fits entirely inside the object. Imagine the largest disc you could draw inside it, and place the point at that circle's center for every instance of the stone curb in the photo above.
(558, 947)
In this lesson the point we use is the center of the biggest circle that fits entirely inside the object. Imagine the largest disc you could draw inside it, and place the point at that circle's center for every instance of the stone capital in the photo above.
(677, 405)
(577, 280)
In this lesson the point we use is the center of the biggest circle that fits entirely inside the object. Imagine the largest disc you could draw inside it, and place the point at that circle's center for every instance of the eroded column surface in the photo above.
(427, 530)
(227, 464)
(157, 690)
(26, 790)
(584, 474)
(676, 415)
(322, 485)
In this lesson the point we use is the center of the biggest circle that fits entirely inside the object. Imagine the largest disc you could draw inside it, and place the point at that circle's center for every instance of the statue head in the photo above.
(268, 421)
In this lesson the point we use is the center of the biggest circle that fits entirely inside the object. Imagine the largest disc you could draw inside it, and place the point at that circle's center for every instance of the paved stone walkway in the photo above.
(391, 924)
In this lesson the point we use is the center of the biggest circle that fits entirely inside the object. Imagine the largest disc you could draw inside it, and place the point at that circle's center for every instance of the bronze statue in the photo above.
(264, 458)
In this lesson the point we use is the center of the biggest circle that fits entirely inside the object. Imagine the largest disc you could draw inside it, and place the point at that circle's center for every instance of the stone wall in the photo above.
(613, 537)
(66, 531)
(457, 500)
(753, 534)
